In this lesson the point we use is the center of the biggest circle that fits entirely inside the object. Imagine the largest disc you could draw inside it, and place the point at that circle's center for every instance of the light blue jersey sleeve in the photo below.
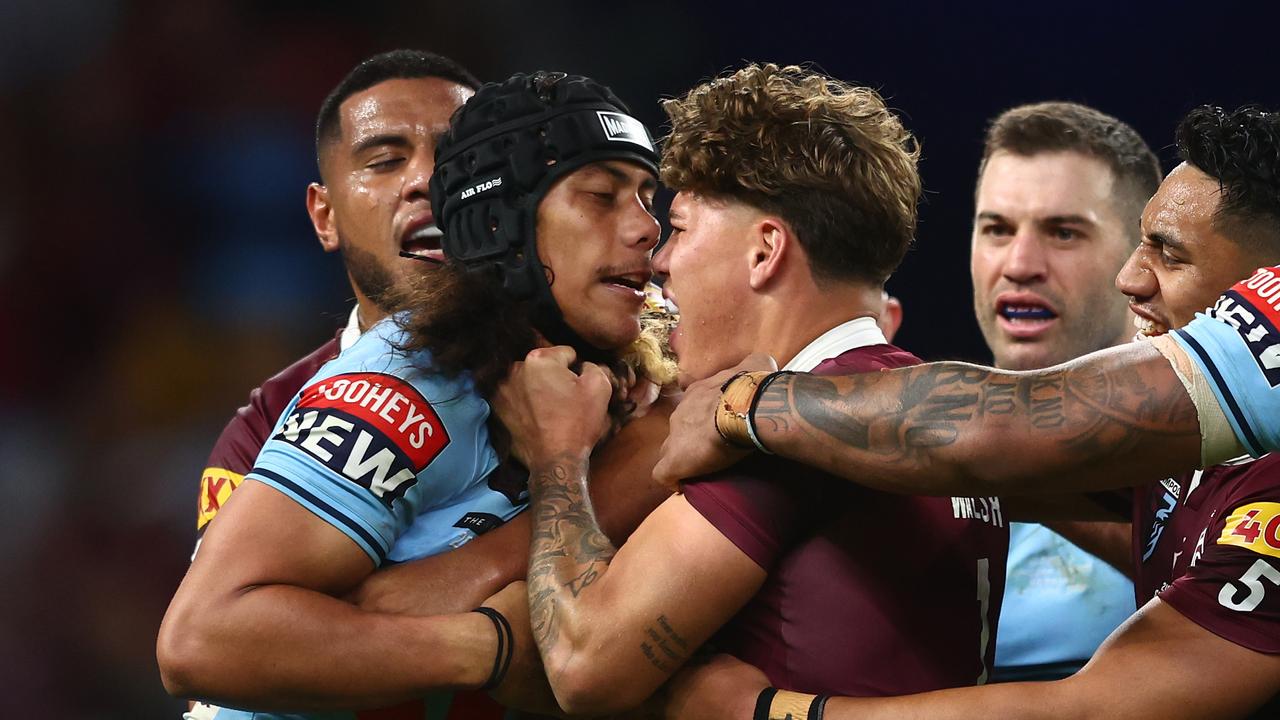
(1236, 347)
(373, 442)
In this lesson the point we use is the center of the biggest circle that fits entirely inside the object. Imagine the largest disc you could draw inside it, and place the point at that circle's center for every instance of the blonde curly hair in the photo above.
(828, 157)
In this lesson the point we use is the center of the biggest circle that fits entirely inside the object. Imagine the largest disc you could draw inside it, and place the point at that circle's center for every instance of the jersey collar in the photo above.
(350, 333)
(856, 333)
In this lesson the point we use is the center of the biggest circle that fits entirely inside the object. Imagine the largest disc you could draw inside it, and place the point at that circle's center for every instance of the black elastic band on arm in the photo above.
(755, 402)
(817, 706)
(763, 701)
(506, 647)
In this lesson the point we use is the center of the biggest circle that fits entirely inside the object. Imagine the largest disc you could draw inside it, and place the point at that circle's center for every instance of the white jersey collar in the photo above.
(350, 333)
(856, 333)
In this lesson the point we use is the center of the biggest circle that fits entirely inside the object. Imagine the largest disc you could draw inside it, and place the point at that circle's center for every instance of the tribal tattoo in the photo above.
(926, 428)
(569, 552)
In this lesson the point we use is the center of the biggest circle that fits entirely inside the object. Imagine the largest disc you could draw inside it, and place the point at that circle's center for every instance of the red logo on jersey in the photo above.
(1262, 291)
(1255, 526)
(1252, 307)
(375, 429)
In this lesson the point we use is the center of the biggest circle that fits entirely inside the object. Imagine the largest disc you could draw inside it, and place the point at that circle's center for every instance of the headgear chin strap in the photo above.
(503, 151)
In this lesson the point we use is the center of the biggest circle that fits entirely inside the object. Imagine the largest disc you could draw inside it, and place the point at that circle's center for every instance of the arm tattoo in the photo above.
(927, 429)
(569, 552)
(664, 648)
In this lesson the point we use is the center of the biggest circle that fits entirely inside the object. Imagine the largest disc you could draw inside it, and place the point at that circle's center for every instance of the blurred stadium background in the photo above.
(156, 262)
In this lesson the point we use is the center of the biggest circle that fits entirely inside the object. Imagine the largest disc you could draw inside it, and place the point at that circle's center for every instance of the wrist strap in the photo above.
(506, 647)
(761, 387)
(733, 414)
(775, 704)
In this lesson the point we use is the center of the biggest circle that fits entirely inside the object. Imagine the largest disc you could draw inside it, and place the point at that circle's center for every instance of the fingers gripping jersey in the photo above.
(396, 458)
(1236, 346)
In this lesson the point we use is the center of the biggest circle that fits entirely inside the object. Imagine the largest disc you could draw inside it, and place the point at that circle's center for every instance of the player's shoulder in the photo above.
(868, 358)
(1248, 477)
(305, 367)
(383, 351)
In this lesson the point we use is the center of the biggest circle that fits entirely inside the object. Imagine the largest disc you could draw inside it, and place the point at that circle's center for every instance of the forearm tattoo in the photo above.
(569, 552)
(923, 417)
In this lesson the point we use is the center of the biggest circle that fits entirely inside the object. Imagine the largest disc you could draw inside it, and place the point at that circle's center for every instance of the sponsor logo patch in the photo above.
(478, 522)
(1162, 508)
(1252, 307)
(216, 485)
(624, 128)
(481, 187)
(1255, 526)
(374, 429)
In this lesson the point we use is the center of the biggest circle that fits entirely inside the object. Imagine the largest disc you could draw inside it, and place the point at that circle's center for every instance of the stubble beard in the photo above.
(369, 276)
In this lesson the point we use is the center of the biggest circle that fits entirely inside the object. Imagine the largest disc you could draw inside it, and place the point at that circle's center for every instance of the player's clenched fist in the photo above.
(693, 446)
(549, 409)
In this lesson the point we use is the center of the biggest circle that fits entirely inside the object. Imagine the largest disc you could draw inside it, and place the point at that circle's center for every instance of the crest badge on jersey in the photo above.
(374, 429)
(1255, 526)
(1252, 307)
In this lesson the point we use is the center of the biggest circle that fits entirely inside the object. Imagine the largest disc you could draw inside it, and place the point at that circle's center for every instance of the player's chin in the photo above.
(610, 330)
(1026, 356)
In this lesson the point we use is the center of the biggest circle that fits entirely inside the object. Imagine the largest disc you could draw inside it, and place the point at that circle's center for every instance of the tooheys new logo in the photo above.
(374, 429)
(623, 128)
(1252, 307)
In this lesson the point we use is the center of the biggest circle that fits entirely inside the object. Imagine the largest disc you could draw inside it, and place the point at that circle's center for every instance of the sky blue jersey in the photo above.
(1236, 346)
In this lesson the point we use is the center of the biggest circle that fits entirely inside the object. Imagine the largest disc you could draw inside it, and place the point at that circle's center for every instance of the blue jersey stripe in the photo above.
(1250, 439)
(310, 497)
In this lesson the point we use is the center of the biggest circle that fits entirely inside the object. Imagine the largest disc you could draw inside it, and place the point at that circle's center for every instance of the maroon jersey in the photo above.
(243, 437)
(868, 593)
(233, 456)
(1208, 544)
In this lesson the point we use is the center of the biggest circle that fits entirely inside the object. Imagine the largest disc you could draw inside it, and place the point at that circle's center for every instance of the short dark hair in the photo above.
(1241, 150)
(405, 64)
(829, 157)
(1071, 127)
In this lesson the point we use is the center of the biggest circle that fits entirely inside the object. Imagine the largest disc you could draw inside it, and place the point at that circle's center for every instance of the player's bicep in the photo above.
(263, 537)
(1160, 664)
(674, 583)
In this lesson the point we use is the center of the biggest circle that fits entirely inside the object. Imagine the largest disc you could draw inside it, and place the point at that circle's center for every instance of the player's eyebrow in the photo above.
(388, 139)
(1166, 240)
(992, 216)
(1067, 220)
(618, 175)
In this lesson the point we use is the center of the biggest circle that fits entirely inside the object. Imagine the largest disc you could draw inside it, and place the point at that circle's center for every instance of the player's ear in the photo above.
(321, 214)
(771, 243)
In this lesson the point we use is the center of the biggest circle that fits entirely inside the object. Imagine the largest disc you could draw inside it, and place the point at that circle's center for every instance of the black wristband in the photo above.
(763, 701)
(755, 402)
(506, 647)
(818, 705)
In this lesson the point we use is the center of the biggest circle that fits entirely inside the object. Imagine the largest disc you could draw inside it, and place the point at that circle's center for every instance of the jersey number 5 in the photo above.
(1252, 581)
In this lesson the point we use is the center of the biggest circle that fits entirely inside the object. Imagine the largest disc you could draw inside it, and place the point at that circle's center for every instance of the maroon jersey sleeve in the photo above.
(759, 515)
(243, 437)
(1232, 587)
(762, 505)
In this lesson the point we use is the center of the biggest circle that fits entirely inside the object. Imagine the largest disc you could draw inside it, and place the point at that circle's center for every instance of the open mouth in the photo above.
(1149, 327)
(633, 282)
(1024, 312)
(423, 242)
